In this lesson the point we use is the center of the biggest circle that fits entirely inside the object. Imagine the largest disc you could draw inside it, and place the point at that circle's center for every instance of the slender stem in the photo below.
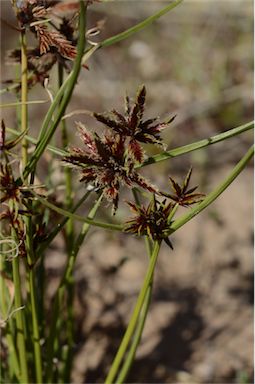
(20, 322)
(134, 318)
(169, 154)
(130, 356)
(9, 326)
(67, 172)
(9, 105)
(172, 213)
(46, 134)
(59, 227)
(9, 88)
(197, 145)
(136, 338)
(36, 334)
(114, 227)
(70, 288)
(33, 140)
(65, 283)
(215, 193)
(24, 90)
(28, 222)
(138, 27)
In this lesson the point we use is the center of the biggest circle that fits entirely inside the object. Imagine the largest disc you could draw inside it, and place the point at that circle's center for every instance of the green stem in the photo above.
(172, 213)
(136, 338)
(28, 221)
(114, 227)
(138, 27)
(67, 172)
(36, 334)
(197, 145)
(59, 227)
(24, 91)
(20, 319)
(169, 154)
(65, 283)
(130, 356)
(70, 288)
(135, 316)
(26, 103)
(33, 140)
(215, 193)
(9, 326)
(9, 88)
(20, 322)
(65, 93)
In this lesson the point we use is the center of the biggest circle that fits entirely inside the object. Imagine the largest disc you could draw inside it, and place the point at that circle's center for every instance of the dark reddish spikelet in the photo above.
(132, 126)
(182, 195)
(105, 162)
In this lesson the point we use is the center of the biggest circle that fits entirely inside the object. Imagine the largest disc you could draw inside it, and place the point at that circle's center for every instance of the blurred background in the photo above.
(196, 62)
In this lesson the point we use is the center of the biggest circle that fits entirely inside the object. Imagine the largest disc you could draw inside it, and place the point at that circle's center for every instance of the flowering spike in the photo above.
(57, 44)
(151, 220)
(132, 126)
(105, 162)
(182, 195)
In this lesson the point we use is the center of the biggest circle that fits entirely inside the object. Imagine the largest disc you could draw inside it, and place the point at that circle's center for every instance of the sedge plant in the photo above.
(31, 217)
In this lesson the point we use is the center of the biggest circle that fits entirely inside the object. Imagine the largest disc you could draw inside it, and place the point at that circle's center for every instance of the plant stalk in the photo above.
(65, 93)
(197, 145)
(135, 316)
(136, 339)
(24, 91)
(66, 282)
(211, 197)
(28, 221)
(20, 322)
(168, 154)
(67, 172)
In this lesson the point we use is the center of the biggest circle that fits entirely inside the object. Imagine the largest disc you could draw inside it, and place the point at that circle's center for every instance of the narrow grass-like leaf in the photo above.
(60, 226)
(8, 105)
(65, 284)
(138, 27)
(214, 194)
(169, 154)
(197, 145)
(63, 212)
(64, 97)
(135, 316)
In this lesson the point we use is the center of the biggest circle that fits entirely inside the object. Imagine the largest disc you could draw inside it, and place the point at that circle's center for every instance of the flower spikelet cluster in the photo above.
(151, 221)
(132, 125)
(54, 24)
(105, 162)
(183, 194)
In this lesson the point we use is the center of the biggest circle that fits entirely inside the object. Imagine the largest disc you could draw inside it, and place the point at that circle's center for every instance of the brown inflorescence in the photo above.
(151, 221)
(106, 163)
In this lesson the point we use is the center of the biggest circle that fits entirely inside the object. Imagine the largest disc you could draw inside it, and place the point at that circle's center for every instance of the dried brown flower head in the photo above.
(151, 221)
(56, 41)
(183, 195)
(132, 125)
(49, 39)
(105, 163)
